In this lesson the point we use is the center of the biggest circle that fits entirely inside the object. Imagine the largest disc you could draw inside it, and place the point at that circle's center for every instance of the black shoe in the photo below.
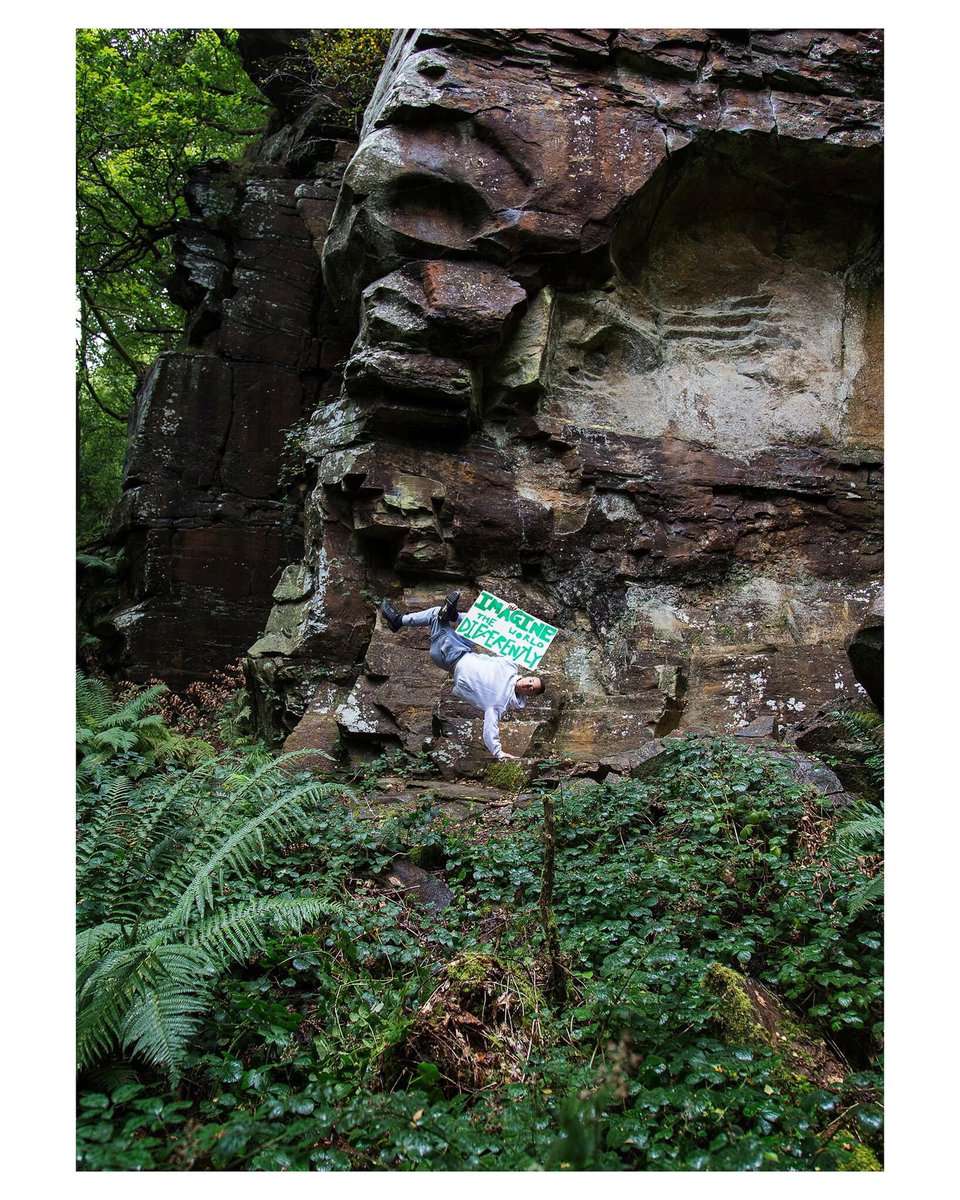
(391, 615)
(448, 609)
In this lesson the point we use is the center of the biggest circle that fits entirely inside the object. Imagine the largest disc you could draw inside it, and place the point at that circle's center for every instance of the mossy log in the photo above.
(748, 1014)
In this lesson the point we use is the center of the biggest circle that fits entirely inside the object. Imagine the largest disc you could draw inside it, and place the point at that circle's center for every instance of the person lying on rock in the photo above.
(488, 682)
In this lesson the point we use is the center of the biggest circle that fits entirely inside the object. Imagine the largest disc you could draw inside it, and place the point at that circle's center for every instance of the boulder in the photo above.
(418, 886)
(748, 1014)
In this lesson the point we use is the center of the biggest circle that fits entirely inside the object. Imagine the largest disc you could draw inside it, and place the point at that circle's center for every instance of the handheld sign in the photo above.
(508, 631)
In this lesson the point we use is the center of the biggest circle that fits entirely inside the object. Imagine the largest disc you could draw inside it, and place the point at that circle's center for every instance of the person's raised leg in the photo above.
(448, 614)
(395, 619)
(391, 615)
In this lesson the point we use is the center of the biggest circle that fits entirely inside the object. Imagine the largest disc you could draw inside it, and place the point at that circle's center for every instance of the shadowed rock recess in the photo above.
(614, 302)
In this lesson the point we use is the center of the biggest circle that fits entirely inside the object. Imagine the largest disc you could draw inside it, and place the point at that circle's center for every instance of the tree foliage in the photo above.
(150, 104)
(348, 64)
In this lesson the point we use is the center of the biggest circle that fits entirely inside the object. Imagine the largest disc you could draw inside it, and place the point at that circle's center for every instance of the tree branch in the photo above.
(87, 383)
(137, 368)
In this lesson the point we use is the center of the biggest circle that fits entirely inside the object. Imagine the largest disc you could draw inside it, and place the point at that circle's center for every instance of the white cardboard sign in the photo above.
(508, 631)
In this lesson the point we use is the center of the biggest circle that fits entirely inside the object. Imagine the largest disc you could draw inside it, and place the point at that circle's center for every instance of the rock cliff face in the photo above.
(614, 305)
(617, 305)
(204, 518)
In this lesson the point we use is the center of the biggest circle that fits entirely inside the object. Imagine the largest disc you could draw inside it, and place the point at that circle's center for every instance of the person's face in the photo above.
(528, 686)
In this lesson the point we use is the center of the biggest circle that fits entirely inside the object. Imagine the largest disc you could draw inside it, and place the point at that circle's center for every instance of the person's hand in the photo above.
(504, 756)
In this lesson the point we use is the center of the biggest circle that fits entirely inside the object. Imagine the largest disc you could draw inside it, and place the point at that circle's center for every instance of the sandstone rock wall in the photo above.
(608, 305)
(206, 517)
(616, 311)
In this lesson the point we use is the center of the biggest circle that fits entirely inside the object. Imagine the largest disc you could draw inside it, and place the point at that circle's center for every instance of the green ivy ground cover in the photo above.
(383, 1036)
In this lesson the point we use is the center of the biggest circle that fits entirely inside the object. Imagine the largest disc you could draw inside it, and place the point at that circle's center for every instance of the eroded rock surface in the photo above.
(617, 315)
(610, 304)
(206, 518)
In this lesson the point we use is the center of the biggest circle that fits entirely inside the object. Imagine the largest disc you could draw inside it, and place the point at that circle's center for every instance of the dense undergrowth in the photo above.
(275, 1003)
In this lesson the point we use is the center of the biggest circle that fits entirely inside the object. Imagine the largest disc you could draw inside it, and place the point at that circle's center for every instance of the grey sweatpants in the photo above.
(446, 645)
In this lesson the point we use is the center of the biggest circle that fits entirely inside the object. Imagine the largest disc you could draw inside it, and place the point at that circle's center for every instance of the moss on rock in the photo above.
(859, 1158)
(476, 972)
(735, 1013)
(507, 776)
(429, 858)
(746, 1014)
(470, 967)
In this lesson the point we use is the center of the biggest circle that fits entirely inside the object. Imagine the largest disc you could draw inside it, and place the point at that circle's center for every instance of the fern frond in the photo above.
(135, 707)
(860, 840)
(317, 791)
(274, 773)
(865, 829)
(94, 701)
(122, 862)
(114, 739)
(116, 998)
(104, 994)
(89, 766)
(109, 815)
(109, 563)
(233, 934)
(240, 785)
(861, 722)
(155, 860)
(869, 893)
(160, 744)
(217, 821)
(865, 826)
(160, 1023)
(205, 835)
(107, 1079)
(90, 941)
(165, 852)
(165, 1015)
(113, 855)
(151, 721)
(113, 798)
(162, 816)
(865, 727)
(238, 851)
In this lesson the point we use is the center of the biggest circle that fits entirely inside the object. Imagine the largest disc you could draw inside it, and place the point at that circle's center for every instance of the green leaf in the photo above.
(870, 1118)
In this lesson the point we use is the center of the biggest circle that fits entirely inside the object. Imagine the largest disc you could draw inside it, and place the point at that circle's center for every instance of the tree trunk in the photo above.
(557, 983)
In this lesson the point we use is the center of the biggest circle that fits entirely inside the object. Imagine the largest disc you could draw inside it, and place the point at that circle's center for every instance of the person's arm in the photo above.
(491, 734)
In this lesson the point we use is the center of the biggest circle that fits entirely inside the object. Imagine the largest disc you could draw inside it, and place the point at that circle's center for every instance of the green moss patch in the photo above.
(507, 776)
